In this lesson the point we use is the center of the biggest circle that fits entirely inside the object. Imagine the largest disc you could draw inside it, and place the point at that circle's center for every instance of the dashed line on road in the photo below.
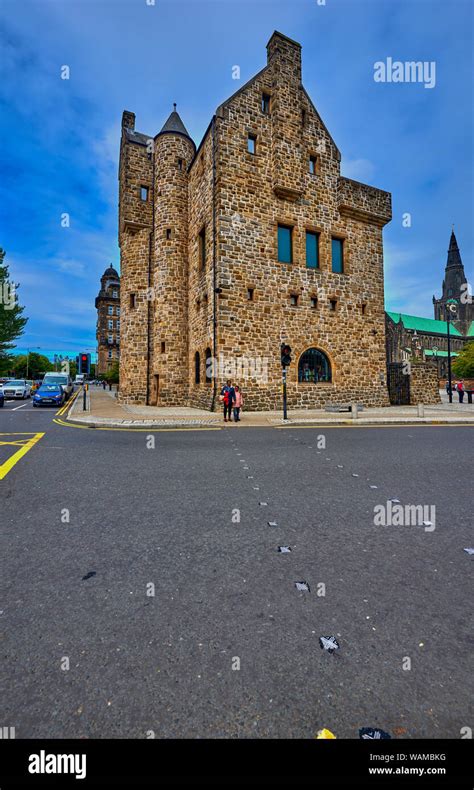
(24, 444)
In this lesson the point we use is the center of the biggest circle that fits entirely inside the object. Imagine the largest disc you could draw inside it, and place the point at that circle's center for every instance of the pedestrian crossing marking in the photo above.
(24, 444)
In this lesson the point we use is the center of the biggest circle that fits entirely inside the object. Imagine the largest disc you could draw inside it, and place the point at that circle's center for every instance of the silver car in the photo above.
(16, 388)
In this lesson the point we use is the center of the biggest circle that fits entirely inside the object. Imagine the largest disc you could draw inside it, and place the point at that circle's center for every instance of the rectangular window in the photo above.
(285, 244)
(294, 300)
(117, 324)
(265, 103)
(312, 164)
(144, 193)
(202, 247)
(110, 310)
(115, 294)
(312, 250)
(314, 302)
(132, 301)
(180, 164)
(363, 308)
(109, 355)
(333, 305)
(111, 338)
(337, 249)
(118, 310)
(168, 233)
(110, 324)
(303, 117)
(250, 292)
(251, 143)
(163, 346)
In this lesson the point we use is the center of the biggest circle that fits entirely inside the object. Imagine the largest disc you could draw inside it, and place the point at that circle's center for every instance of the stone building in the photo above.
(107, 303)
(455, 286)
(251, 239)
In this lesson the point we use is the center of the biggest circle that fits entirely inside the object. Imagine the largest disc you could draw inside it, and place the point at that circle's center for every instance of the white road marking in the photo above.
(20, 407)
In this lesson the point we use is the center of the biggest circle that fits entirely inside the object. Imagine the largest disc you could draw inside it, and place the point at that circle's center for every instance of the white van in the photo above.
(80, 378)
(60, 378)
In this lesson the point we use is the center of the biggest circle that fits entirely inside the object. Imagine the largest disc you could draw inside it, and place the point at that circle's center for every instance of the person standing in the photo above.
(228, 397)
(460, 389)
(238, 403)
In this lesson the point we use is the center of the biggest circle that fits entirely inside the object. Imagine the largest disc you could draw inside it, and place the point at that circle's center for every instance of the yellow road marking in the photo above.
(5, 467)
(67, 404)
(133, 430)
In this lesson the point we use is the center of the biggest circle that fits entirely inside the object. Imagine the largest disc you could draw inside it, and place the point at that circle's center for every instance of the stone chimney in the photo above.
(286, 53)
(128, 120)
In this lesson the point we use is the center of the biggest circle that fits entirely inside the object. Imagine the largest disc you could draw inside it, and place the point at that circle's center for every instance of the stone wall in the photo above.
(424, 383)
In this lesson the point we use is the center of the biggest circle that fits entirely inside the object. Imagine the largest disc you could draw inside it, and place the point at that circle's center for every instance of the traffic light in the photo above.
(285, 355)
(84, 364)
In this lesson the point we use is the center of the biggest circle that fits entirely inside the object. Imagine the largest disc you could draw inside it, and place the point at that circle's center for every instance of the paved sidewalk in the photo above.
(104, 411)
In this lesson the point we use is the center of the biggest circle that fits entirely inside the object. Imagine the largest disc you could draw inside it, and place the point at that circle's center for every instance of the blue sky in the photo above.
(60, 138)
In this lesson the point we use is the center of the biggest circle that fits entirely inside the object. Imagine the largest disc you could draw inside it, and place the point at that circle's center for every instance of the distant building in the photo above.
(411, 337)
(108, 320)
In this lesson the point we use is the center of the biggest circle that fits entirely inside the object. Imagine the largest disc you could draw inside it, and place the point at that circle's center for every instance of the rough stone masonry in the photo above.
(252, 239)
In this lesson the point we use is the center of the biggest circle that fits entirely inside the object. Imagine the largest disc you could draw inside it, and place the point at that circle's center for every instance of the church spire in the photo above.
(454, 256)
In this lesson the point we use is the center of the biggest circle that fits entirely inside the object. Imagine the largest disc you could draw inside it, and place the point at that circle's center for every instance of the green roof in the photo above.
(429, 325)
(470, 331)
(429, 353)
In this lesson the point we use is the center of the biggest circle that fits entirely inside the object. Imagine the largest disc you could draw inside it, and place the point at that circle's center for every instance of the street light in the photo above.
(452, 306)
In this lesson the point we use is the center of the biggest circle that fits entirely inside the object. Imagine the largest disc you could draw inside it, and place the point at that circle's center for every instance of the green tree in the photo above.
(112, 375)
(37, 364)
(463, 366)
(12, 323)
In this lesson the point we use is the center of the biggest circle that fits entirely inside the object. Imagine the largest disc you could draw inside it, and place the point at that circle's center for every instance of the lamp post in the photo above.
(451, 310)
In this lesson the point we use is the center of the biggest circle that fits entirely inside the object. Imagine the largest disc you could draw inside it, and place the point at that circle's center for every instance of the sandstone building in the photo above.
(251, 239)
(107, 303)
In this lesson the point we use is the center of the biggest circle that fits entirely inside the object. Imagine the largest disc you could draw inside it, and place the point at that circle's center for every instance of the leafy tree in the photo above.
(112, 374)
(463, 366)
(12, 323)
(37, 363)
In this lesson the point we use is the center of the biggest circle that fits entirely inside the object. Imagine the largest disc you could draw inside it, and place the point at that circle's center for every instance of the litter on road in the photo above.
(329, 643)
(373, 733)
(284, 549)
(302, 586)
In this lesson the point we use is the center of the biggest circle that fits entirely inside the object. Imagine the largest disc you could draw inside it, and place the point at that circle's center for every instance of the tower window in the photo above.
(294, 300)
(333, 305)
(303, 117)
(115, 294)
(313, 160)
(202, 247)
(251, 143)
(209, 366)
(250, 293)
(132, 301)
(337, 249)
(314, 302)
(110, 324)
(285, 244)
(363, 308)
(265, 103)
(144, 193)
(197, 368)
(163, 347)
(168, 233)
(180, 164)
(312, 250)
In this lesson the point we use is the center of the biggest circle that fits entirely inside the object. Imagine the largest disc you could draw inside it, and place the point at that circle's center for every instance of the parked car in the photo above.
(60, 378)
(16, 388)
(49, 395)
(2, 399)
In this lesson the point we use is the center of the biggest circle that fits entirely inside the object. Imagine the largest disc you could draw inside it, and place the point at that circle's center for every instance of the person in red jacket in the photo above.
(460, 391)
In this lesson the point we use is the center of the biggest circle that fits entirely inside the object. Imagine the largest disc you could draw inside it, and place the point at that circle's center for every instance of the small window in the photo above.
(197, 368)
(110, 310)
(209, 366)
(168, 233)
(132, 301)
(337, 249)
(363, 309)
(163, 347)
(117, 325)
(109, 355)
(294, 300)
(313, 161)
(285, 244)
(251, 143)
(202, 247)
(198, 304)
(265, 103)
(314, 302)
(110, 338)
(180, 164)
(312, 250)
(118, 310)
(110, 324)
(205, 300)
(144, 193)
(333, 305)
(250, 292)
(115, 294)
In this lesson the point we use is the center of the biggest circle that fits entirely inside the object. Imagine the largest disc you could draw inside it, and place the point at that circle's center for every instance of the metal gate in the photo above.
(398, 380)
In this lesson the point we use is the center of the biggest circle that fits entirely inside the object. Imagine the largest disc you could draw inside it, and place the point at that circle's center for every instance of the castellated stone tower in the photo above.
(252, 239)
(174, 150)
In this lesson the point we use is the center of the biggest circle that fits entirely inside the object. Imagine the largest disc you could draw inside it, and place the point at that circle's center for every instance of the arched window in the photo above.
(314, 367)
(197, 368)
(208, 366)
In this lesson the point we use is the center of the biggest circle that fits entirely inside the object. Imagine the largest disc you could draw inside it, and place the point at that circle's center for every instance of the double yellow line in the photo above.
(67, 405)
(28, 444)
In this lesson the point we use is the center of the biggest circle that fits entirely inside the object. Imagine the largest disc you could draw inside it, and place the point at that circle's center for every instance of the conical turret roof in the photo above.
(454, 256)
(174, 125)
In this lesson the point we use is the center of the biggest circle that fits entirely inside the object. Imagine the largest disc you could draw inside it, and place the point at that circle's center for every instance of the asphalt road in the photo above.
(166, 516)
